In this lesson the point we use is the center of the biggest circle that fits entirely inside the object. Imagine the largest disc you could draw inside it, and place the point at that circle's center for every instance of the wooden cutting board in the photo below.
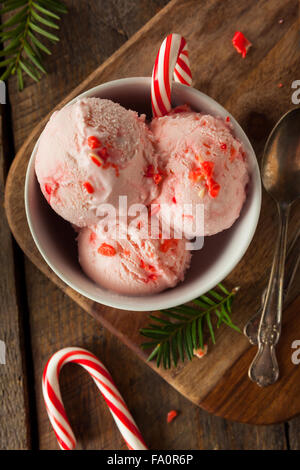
(249, 90)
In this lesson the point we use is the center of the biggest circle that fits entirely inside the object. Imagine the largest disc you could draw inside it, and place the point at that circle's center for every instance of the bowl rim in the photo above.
(128, 302)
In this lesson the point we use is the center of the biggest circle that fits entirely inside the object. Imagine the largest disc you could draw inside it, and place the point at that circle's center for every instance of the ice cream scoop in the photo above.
(134, 264)
(90, 153)
(204, 164)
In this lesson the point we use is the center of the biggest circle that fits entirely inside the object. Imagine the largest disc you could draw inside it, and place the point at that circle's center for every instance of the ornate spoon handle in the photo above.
(291, 266)
(264, 368)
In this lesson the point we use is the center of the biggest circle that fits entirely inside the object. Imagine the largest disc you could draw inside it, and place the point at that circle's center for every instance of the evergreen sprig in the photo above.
(180, 330)
(23, 34)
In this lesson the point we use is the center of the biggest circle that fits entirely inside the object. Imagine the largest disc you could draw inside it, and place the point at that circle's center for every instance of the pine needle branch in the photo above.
(23, 33)
(179, 331)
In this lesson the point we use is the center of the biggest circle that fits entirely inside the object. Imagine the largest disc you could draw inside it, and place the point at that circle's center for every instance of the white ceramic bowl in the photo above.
(55, 237)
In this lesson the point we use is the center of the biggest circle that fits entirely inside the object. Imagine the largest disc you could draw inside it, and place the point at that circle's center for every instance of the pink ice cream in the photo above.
(134, 264)
(204, 164)
(90, 153)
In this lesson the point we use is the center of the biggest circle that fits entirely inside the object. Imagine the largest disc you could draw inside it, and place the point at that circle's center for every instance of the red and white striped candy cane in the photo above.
(104, 382)
(172, 60)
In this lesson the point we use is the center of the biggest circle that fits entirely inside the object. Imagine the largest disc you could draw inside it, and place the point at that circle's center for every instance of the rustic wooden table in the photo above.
(36, 318)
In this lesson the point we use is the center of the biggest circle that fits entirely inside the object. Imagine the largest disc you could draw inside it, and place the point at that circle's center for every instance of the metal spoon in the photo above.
(291, 267)
(281, 178)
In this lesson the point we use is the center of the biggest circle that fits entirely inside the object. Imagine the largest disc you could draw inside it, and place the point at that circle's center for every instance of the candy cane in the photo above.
(172, 59)
(104, 382)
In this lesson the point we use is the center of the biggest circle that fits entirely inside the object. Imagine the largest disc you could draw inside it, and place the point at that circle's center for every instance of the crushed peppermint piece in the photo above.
(171, 415)
(48, 189)
(280, 85)
(208, 167)
(106, 250)
(200, 353)
(205, 172)
(157, 178)
(88, 187)
(93, 142)
(281, 20)
(223, 146)
(95, 159)
(195, 175)
(213, 188)
(241, 43)
(147, 267)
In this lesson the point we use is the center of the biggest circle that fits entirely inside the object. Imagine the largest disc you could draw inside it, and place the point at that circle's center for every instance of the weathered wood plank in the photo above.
(14, 426)
(294, 432)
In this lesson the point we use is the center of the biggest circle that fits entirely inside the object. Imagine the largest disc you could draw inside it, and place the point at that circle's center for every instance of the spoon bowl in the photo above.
(281, 160)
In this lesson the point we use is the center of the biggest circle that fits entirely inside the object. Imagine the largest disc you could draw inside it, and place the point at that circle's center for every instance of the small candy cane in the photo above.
(172, 60)
(104, 382)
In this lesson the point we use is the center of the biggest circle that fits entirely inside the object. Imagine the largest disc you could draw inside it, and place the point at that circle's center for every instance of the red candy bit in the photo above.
(150, 173)
(241, 43)
(147, 267)
(152, 277)
(223, 146)
(200, 353)
(207, 168)
(106, 250)
(48, 189)
(280, 85)
(171, 415)
(157, 178)
(88, 187)
(227, 119)
(95, 159)
(194, 175)
(93, 142)
(167, 244)
(213, 188)
(174, 200)
(205, 172)
(142, 264)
